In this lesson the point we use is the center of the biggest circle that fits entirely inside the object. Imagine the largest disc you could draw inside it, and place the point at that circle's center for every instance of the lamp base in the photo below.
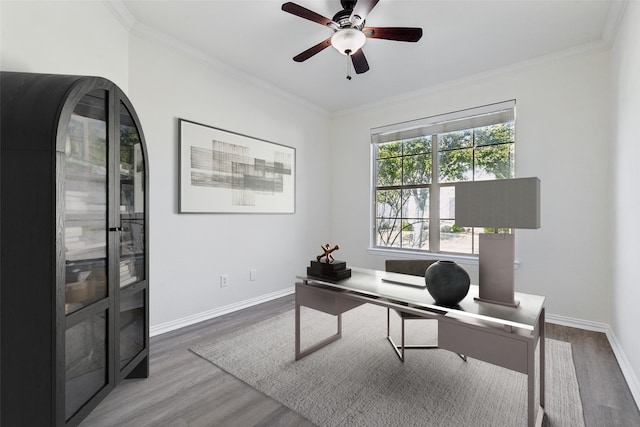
(513, 304)
(496, 257)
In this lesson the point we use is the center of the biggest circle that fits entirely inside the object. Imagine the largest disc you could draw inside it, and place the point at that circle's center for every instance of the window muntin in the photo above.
(404, 172)
(414, 193)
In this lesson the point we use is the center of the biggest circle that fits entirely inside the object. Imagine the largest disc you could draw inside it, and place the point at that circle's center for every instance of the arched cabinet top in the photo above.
(35, 106)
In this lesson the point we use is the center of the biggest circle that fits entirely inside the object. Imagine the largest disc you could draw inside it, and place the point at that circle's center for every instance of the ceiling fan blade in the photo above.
(312, 50)
(361, 10)
(305, 13)
(403, 34)
(360, 63)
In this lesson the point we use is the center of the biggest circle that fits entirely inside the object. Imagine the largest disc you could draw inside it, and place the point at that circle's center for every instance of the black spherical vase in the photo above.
(447, 282)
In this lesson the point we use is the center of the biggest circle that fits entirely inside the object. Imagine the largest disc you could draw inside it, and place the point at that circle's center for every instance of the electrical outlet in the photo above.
(224, 280)
(252, 274)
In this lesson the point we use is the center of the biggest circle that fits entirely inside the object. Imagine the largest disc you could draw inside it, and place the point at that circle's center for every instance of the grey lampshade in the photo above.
(502, 203)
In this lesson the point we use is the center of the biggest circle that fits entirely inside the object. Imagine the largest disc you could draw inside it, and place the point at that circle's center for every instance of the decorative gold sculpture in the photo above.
(327, 253)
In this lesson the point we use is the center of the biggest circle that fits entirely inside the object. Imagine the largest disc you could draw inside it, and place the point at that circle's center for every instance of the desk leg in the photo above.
(297, 330)
(531, 382)
(542, 356)
(302, 353)
(536, 412)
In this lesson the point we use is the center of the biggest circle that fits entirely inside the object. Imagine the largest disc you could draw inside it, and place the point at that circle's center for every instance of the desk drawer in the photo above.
(494, 347)
(330, 302)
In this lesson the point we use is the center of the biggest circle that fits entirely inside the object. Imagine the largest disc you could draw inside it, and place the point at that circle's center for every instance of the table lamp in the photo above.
(501, 203)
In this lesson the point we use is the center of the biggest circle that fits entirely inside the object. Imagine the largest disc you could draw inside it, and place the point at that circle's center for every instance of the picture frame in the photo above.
(227, 172)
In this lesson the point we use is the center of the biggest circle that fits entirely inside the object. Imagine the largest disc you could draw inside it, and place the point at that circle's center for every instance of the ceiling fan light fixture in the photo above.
(347, 41)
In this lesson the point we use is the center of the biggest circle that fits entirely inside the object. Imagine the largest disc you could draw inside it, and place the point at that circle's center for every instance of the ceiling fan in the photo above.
(350, 33)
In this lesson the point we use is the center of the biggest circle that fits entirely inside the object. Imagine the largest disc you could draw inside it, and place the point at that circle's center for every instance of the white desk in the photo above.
(504, 336)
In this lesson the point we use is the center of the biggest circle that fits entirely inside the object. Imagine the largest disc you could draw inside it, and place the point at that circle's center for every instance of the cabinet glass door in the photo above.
(132, 201)
(85, 240)
(85, 198)
(132, 325)
(86, 370)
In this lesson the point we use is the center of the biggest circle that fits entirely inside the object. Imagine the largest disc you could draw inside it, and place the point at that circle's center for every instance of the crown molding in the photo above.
(612, 25)
(583, 49)
(119, 10)
(609, 33)
(122, 14)
(614, 20)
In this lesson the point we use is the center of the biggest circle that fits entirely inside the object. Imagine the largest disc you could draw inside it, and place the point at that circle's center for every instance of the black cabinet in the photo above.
(74, 290)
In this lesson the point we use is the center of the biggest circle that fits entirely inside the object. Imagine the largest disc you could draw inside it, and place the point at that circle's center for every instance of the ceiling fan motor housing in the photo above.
(342, 19)
(348, 4)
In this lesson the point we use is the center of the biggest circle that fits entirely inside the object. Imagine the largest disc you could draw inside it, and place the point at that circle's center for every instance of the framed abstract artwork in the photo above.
(226, 172)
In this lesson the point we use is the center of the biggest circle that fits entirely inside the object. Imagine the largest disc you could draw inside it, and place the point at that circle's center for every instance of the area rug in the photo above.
(359, 381)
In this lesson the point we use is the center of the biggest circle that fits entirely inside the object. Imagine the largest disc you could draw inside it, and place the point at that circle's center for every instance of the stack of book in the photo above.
(127, 273)
(73, 238)
(333, 271)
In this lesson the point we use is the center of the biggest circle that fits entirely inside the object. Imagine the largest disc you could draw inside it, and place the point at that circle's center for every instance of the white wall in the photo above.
(63, 37)
(585, 157)
(626, 138)
(562, 136)
(190, 251)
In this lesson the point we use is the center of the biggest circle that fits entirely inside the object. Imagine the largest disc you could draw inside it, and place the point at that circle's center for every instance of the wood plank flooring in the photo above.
(185, 390)
(606, 398)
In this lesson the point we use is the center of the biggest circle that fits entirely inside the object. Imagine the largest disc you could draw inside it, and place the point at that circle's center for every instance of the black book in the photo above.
(336, 270)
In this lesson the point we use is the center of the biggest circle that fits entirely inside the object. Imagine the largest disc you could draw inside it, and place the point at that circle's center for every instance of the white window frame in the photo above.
(486, 115)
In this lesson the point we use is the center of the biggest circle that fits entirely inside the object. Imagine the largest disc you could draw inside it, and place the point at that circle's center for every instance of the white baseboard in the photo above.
(625, 366)
(627, 370)
(210, 314)
(577, 323)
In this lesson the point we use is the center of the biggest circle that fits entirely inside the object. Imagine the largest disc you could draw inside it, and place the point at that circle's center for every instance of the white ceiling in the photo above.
(461, 38)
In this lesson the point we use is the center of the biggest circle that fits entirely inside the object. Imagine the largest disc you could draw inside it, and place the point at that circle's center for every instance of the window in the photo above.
(415, 166)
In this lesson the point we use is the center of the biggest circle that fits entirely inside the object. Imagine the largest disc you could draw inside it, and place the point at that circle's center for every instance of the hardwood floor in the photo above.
(606, 398)
(185, 390)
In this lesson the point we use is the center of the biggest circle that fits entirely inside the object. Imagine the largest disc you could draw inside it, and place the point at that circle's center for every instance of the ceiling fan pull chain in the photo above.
(348, 52)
